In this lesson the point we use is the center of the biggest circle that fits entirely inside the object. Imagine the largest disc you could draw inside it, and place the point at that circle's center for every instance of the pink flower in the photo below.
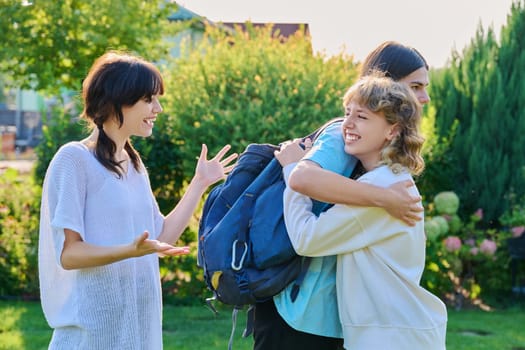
(452, 243)
(517, 231)
(479, 213)
(470, 242)
(474, 250)
(488, 247)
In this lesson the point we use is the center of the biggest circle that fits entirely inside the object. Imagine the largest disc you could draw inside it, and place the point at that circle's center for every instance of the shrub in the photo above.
(19, 214)
(250, 88)
(60, 127)
(465, 262)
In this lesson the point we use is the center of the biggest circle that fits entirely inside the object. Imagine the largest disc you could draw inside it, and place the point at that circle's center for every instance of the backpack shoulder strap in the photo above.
(306, 260)
(314, 135)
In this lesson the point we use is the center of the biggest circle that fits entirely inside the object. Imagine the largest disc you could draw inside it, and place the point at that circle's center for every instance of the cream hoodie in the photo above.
(379, 266)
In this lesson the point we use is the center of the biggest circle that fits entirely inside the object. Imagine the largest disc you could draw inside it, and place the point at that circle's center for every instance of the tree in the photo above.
(49, 44)
(480, 116)
(511, 60)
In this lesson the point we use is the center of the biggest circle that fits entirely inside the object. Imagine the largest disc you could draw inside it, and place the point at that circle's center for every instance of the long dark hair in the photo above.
(114, 81)
(394, 59)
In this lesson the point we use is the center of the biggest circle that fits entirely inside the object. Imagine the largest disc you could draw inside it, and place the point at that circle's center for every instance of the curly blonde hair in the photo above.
(399, 105)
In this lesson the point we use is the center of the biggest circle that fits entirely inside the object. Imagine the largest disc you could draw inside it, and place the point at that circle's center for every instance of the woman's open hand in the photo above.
(144, 246)
(210, 171)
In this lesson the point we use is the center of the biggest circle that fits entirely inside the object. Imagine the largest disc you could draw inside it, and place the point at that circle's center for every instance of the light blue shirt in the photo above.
(315, 309)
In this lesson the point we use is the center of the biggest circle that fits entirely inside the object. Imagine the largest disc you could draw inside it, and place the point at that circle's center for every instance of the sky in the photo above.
(434, 27)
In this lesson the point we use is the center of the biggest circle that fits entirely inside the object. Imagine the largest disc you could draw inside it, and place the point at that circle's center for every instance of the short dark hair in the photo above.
(394, 59)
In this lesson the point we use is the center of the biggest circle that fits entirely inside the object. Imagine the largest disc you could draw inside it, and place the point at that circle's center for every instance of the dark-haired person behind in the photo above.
(312, 320)
(101, 230)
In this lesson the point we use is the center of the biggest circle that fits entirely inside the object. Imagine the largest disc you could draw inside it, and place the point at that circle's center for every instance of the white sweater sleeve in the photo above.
(341, 229)
(64, 195)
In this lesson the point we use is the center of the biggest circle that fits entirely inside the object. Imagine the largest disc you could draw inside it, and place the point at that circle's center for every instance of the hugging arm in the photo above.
(339, 230)
(310, 179)
(318, 176)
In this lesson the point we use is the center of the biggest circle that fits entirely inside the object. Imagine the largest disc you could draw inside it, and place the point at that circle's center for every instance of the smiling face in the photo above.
(139, 118)
(366, 133)
(381, 124)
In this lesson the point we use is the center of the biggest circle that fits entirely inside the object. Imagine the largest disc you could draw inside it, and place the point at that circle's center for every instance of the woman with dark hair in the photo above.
(397, 61)
(324, 174)
(401, 63)
(101, 230)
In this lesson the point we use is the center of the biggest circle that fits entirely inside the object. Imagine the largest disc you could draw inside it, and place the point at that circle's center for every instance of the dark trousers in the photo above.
(271, 332)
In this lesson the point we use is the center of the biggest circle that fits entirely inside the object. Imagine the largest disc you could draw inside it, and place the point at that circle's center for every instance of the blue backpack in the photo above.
(247, 258)
(243, 247)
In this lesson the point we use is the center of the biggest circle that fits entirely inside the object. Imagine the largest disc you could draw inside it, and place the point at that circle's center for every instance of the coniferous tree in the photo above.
(511, 62)
(480, 117)
(440, 169)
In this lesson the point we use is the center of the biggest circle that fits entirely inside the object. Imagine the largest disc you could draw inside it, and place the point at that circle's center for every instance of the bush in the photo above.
(465, 262)
(19, 215)
(250, 88)
(59, 127)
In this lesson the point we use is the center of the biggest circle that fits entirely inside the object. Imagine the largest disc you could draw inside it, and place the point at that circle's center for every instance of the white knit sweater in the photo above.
(380, 261)
(115, 306)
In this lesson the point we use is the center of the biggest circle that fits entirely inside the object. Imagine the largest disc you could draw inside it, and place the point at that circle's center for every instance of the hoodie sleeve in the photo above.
(341, 229)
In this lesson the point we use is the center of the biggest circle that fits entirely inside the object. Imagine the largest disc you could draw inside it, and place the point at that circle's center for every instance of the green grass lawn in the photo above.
(23, 326)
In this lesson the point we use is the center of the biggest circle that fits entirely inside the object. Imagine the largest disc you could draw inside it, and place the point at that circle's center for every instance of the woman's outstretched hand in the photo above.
(210, 171)
(144, 246)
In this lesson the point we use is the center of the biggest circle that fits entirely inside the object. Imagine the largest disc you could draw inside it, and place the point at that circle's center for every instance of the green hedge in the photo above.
(19, 216)
(250, 88)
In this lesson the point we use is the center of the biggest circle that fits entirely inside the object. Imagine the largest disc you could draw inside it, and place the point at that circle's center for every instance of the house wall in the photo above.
(20, 121)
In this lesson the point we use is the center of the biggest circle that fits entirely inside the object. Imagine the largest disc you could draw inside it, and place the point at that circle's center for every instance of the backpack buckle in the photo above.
(238, 266)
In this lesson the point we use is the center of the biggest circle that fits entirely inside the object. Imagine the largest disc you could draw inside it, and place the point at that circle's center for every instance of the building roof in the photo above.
(284, 29)
(183, 14)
